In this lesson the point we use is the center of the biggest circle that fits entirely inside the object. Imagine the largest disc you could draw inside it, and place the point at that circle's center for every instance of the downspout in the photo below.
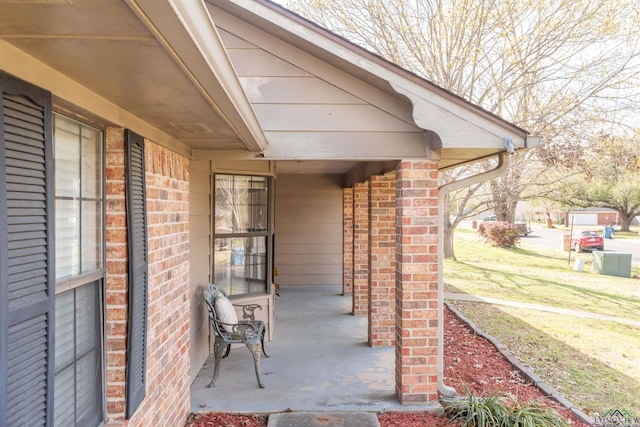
(503, 162)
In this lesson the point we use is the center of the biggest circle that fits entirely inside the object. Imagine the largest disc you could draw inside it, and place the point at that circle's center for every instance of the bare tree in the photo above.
(564, 70)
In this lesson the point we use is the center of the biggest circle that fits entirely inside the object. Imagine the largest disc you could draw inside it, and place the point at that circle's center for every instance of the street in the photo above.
(552, 238)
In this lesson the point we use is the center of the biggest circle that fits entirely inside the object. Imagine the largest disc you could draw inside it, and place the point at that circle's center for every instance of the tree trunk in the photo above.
(447, 237)
(624, 221)
(447, 230)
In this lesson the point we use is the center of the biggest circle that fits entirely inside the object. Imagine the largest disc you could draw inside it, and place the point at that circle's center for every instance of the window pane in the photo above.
(88, 380)
(240, 264)
(240, 204)
(91, 163)
(92, 230)
(67, 157)
(67, 238)
(64, 402)
(78, 338)
(79, 198)
(65, 320)
(86, 307)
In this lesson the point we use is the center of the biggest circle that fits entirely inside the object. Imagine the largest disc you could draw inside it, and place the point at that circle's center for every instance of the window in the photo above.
(241, 233)
(79, 249)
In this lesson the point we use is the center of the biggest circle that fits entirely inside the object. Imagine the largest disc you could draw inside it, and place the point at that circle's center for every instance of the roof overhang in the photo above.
(160, 67)
(456, 131)
(155, 66)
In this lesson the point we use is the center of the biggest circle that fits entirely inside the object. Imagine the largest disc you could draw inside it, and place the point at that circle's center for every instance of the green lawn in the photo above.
(594, 363)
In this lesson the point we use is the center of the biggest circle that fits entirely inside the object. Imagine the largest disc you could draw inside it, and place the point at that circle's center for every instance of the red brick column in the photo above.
(417, 282)
(347, 241)
(382, 258)
(360, 248)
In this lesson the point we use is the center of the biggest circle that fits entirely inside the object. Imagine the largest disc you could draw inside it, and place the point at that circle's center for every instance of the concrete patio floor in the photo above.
(320, 361)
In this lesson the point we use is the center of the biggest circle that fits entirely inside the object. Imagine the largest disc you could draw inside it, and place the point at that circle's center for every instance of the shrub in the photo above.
(492, 411)
(533, 414)
(500, 233)
(474, 411)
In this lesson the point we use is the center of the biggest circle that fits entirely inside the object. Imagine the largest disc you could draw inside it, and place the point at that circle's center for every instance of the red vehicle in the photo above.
(590, 240)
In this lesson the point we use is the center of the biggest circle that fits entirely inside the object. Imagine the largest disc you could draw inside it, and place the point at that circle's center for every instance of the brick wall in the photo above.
(167, 177)
(360, 248)
(382, 258)
(417, 281)
(347, 241)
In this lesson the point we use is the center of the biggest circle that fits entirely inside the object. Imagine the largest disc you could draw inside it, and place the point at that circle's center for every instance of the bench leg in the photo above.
(219, 349)
(256, 349)
(262, 344)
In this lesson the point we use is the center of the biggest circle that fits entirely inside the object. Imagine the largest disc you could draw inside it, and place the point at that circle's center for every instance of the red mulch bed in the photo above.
(470, 361)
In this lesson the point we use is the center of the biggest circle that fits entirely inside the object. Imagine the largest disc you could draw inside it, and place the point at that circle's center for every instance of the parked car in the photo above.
(490, 218)
(523, 228)
(587, 239)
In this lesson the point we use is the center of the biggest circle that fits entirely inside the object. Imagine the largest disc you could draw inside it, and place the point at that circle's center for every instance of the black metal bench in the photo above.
(229, 330)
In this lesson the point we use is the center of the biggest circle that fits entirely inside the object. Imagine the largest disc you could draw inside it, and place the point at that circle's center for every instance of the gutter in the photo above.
(503, 162)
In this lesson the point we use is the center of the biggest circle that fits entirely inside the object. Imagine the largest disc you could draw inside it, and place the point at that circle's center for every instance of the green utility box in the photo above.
(611, 264)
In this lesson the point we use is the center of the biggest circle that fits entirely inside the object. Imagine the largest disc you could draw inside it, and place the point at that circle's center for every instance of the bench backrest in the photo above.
(211, 293)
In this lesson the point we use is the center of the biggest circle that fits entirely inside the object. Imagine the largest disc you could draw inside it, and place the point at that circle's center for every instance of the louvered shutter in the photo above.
(26, 255)
(138, 271)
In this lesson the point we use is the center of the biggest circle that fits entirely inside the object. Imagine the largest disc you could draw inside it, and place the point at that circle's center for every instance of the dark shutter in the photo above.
(138, 271)
(26, 255)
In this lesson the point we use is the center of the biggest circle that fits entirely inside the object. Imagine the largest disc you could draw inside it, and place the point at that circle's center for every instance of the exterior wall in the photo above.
(308, 223)
(360, 248)
(116, 276)
(200, 266)
(347, 241)
(167, 382)
(417, 282)
(382, 260)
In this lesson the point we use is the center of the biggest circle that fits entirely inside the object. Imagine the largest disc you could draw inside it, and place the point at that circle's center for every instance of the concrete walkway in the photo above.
(577, 313)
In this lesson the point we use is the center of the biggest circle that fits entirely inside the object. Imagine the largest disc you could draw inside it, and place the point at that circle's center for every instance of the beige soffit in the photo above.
(187, 32)
(458, 123)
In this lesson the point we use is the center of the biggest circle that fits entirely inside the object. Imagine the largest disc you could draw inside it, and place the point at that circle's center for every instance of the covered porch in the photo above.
(320, 361)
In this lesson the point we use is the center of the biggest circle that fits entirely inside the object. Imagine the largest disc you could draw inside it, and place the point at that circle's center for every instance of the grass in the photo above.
(538, 275)
(594, 363)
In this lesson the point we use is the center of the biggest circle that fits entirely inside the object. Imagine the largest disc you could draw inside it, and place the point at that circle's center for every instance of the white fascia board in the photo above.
(188, 33)
(458, 123)
(456, 126)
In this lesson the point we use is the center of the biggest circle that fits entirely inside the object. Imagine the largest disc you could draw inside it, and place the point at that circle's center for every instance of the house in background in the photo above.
(141, 145)
(593, 216)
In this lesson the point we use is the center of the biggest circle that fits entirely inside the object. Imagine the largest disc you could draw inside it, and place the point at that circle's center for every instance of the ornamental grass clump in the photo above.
(533, 414)
(500, 233)
(475, 411)
(495, 411)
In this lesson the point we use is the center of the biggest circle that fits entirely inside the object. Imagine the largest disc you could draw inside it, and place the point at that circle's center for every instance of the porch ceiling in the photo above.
(136, 55)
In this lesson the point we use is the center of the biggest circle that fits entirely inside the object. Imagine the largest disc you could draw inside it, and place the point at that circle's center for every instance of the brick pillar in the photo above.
(382, 259)
(417, 282)
(360, 248)
(347, 241)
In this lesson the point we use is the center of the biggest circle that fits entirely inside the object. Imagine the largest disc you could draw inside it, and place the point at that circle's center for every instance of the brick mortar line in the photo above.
(535, 379)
